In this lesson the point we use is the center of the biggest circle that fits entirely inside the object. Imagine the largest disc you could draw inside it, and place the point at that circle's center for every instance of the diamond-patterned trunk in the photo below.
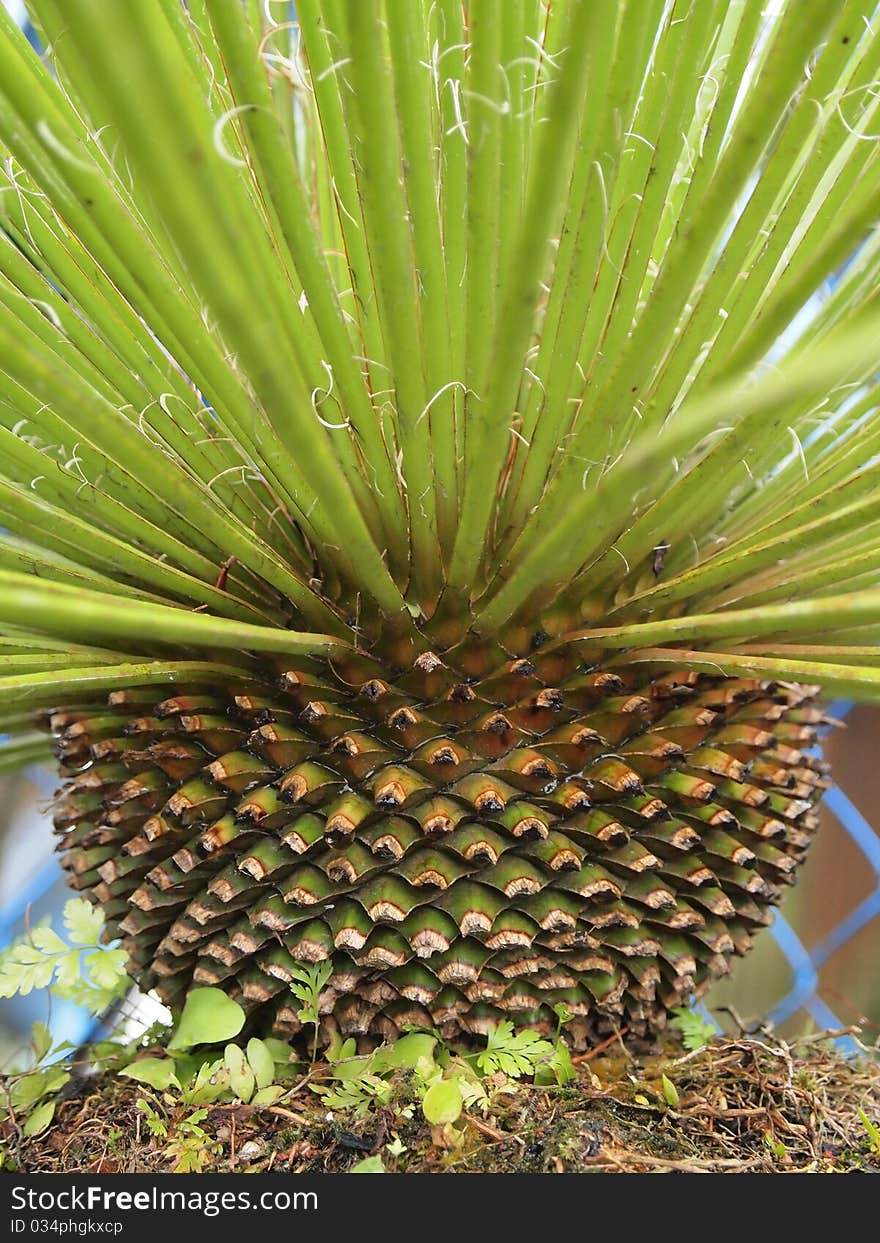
(464, 847)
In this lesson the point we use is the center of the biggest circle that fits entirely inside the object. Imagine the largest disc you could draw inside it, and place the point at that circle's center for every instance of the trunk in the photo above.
(468, 839)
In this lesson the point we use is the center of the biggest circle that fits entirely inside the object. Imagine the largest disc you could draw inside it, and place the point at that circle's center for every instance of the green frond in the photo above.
(440, 319)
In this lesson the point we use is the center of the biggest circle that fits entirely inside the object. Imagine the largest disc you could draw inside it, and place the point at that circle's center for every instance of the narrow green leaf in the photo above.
(56, 608)
(39, 1119)
(670, 1092)
(261, 1062)
(242, 1080)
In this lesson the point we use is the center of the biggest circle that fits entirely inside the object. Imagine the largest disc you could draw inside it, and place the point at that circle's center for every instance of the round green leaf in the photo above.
(158, 1072)
(268, 1096)
(442, 1102)
(407, 1052)
(208, 1017)
(282, 1053)
(369, 1165)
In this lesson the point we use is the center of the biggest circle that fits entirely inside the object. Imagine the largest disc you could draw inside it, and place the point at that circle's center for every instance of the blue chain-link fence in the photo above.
(806, 964)
(818, 963)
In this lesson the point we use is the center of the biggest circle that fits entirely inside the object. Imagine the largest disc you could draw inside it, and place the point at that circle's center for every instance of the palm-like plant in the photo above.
(429, 516)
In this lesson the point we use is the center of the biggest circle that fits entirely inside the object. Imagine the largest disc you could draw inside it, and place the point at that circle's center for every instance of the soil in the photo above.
(751, 1104)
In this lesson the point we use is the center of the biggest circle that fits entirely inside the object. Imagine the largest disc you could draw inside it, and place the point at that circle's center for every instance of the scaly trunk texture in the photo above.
(466, 839)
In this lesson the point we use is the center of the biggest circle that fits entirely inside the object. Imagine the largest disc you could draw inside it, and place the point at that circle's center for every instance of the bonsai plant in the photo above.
(434, 499)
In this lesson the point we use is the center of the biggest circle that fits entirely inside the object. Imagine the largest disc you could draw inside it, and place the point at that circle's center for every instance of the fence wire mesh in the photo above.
(807, 991)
